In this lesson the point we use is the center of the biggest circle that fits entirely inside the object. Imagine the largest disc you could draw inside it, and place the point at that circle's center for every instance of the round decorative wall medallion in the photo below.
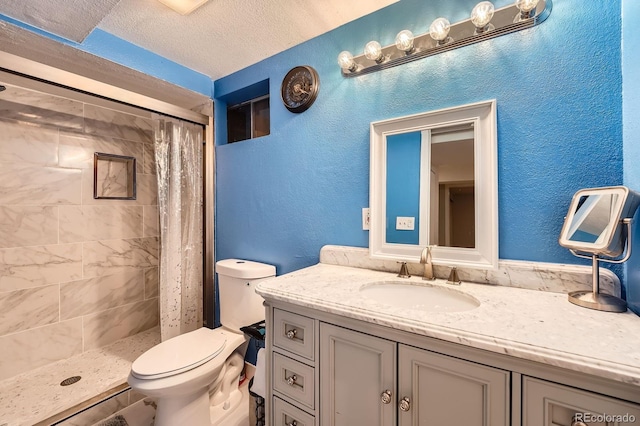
(300, 88)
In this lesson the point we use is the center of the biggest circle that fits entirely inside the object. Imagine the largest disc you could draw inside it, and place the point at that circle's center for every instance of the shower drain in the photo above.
(70, 381)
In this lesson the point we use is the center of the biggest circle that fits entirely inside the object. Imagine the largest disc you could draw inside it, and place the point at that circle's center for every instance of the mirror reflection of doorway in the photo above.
(457, 210)
(453, 183)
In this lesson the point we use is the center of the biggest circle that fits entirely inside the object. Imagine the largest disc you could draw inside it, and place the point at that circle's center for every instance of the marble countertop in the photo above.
(529, 324)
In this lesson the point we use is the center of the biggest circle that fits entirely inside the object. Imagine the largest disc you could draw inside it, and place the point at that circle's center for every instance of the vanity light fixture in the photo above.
(373, 51)
(526, 7)
(404, 41)
(439, 30)
(346, 62)
(485, 23)
(481, 16)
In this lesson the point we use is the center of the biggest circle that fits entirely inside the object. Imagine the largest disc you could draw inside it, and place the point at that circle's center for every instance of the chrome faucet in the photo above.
(425, 259)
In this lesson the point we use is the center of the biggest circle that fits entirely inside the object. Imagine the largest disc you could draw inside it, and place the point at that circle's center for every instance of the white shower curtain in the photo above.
(178, 151)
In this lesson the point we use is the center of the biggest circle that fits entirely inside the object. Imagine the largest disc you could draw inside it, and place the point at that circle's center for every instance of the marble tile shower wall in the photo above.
(75, 273)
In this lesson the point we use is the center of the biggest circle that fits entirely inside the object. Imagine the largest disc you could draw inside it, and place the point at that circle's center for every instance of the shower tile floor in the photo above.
(34, 396)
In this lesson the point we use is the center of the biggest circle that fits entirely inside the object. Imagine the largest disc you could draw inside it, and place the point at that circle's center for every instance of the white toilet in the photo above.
(196, 374)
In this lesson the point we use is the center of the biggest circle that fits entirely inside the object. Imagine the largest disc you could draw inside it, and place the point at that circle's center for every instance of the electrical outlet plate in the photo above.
(366, 218)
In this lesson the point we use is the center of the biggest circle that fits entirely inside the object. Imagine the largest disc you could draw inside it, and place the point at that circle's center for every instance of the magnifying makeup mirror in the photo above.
(598, 227)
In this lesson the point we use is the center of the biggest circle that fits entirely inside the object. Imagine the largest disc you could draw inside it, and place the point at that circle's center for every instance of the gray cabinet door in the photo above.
(551, 404)
(355, 369)
(441, 390)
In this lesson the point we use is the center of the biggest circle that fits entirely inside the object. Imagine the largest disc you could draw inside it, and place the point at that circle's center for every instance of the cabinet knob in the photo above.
(405, 404)
(291, 380)
(385, 397)
(291, 334)
(575, 422)
(293, 423)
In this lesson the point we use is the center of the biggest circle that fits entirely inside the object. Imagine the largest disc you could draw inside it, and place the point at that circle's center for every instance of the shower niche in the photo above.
(114, 177)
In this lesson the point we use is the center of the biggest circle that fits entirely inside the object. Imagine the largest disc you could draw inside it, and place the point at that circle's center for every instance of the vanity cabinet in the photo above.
(293, 376)
(324, 374)
(444, 390)
(552, 404)
(358, 381)
(374, 381)
(329, 370)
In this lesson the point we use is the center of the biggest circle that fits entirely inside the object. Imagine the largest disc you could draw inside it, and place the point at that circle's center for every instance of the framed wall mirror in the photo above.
(433, 182)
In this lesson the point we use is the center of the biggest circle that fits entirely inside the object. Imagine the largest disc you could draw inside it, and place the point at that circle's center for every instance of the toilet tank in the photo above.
(240, 305)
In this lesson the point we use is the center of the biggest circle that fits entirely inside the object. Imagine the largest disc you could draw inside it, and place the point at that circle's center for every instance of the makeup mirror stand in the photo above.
(594, 299)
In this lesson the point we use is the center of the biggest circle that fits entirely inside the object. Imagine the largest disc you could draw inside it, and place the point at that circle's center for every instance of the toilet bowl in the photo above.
(191, 374)
(179, 372)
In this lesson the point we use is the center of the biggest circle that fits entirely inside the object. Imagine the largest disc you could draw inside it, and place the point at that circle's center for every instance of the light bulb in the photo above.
(404, 41)
(346, 62)
(439, 29)
(373, 51)
(526, 6)
(481, 14)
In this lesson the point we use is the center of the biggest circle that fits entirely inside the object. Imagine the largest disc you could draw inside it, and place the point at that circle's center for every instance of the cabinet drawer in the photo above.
(552, 404)
(294, 333)
(285, 414)
(293, 379)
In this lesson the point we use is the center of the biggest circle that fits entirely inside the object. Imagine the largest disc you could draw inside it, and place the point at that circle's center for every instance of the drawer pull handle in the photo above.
(405, 404)
(293, 423)
(291, 380)
(385, 397)
(291, 334)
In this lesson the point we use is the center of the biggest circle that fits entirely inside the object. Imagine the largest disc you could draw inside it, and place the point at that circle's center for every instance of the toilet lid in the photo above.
(179, 354)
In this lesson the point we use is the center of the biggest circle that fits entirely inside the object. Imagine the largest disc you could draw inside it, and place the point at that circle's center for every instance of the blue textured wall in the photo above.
(631, 126)
(559, 91)
(103, 44)
(559, 94)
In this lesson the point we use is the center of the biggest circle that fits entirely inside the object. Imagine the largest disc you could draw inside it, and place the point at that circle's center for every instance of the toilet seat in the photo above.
(179, 354)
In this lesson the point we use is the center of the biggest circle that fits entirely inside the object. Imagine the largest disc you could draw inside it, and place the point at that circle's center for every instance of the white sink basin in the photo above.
(422, 297)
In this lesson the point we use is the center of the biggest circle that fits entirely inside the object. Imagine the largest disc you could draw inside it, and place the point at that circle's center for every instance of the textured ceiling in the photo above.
(71, 19)
(217, 39)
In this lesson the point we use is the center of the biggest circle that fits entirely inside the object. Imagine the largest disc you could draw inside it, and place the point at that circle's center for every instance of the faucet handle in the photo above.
(453, 277)
(404, 271)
